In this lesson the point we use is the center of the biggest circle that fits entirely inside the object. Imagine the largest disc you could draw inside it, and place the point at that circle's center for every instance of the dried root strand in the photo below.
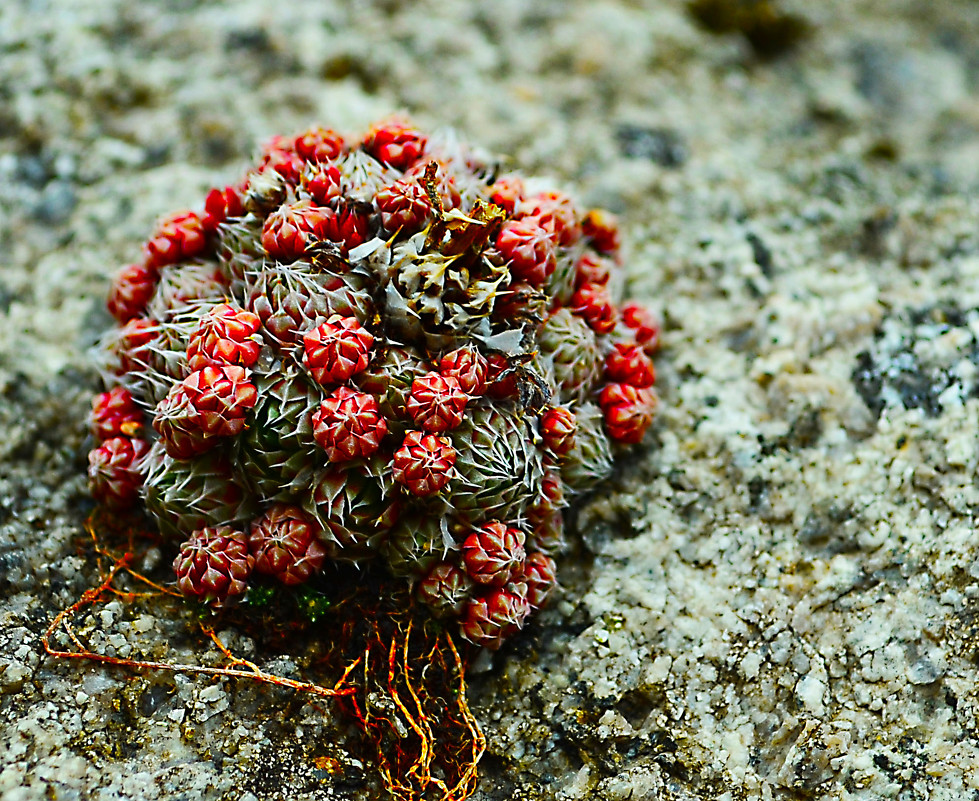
(413, 711)
(402, 683)
(95, 595)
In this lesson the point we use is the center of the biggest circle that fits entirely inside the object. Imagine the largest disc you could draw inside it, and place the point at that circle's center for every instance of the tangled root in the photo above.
(401, 676)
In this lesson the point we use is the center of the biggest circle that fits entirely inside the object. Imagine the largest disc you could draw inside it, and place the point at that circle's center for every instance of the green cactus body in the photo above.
(590, 459)
(498, 466)
(389, 377)
(277, 448)
(415, 544)
(560, 285)
(167, 354)
(354, 510)
(183, 283)
(294, 298)
(362, 176)
(240, 249)
(184, 496)
(373, 352)
(572, 350)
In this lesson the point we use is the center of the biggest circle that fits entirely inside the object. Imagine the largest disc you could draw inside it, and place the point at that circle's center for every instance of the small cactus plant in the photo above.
(376, 350)
(214, 565)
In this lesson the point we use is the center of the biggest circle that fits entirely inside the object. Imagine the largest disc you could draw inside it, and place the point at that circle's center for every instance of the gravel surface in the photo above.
(778, 599)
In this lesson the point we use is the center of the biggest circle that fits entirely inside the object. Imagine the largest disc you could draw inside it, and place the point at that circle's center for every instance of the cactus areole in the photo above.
(378, 349)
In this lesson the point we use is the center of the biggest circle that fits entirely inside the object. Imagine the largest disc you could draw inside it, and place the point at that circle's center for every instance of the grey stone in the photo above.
(776, 598)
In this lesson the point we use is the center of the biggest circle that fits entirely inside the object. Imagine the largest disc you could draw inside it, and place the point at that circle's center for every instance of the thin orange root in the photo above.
(96, 595)
(422, 741)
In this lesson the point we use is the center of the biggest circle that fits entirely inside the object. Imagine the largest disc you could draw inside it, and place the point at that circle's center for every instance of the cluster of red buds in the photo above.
(373, 350)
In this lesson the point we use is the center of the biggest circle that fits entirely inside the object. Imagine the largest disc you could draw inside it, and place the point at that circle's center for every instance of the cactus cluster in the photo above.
(380, 350)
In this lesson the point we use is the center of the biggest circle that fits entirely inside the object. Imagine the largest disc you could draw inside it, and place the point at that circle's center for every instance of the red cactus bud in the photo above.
(280, 156)
(395, 142)
(546, 529)
(404, 206)
(178, 237)
(445, 589)
(423, 463)
(221, 395)
(602, 228)
(558, 426)
(319, 144)
(213, 566)
(528, 249)
(629, 364)
(616, 394)
(489, 620)
(131, 291)
(289, 230)
(133, 344)
(175, 420)
(591, 269)
(219, 205)
(115, 413)
(592, 302)
(114, 477)
(468, 366)
(322, 182)
(500, 383)
(225, 335)
(337, 350)
(544, 516)
(348, 425)
(493, 553)
(507, 192)
(540, 577)
(285, 545)
(628, 411)
(552, 489)
(346, 227)
(555, 212)
(645, 326)
(436, 402)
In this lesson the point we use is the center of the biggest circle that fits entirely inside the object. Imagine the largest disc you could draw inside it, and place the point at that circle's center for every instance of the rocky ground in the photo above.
(779, 598)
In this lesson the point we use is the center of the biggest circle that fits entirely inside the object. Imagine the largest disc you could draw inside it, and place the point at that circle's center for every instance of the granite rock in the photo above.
(779, 598)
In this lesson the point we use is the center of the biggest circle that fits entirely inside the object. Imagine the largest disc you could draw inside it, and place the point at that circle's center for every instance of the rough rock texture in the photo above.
(781, 600)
